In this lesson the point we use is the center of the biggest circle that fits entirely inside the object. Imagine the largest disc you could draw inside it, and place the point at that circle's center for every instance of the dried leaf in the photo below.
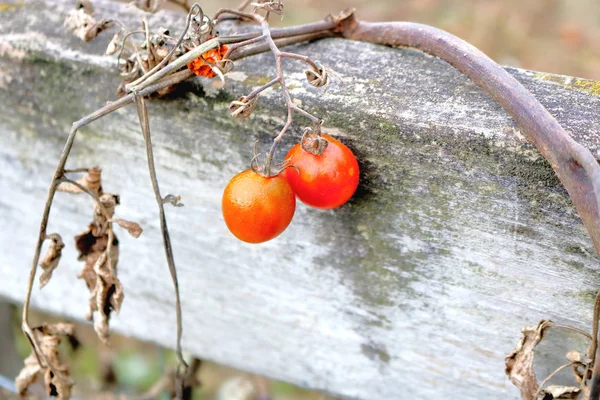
(101, 280)
(57, 380)
(561, 392)
(519, 363)
(317, 78)
(161, 52)
(83, 25)
(115, 44)
(51, 259)
(242, 107)
(28, 375)
(100, 223)
(133, 228)
(91, 181)
(99, 274)
(574, 356)
(106, 296)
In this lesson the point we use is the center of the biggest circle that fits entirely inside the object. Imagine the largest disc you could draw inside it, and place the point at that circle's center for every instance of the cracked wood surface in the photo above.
(460, 233)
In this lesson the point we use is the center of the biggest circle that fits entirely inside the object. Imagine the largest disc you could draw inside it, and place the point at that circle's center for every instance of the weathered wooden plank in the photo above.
(459, 236)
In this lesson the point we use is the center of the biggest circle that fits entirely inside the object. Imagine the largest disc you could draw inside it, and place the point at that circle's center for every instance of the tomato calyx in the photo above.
(262, 171)
(313, 142)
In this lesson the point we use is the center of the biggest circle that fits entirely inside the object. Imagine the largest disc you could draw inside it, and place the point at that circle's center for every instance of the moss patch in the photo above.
(577, 84)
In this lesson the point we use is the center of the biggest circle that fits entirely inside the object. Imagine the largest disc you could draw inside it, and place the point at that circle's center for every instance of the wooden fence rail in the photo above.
(460, 233)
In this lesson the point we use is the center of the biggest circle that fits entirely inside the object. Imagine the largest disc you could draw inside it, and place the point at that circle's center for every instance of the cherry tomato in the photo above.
(257, 208)
(323, 181)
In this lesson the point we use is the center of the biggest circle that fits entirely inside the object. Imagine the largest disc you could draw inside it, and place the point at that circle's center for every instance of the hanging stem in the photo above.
(145, 125)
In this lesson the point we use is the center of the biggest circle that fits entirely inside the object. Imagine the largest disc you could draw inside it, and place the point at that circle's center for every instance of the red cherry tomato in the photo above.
(323, 181)
(257, 208)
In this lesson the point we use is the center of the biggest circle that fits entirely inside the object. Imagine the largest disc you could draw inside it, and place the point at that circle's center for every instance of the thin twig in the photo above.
(264, 47)
(300, 57)
(574, 329)
(264, 87)
(286, 95)
(244, 43)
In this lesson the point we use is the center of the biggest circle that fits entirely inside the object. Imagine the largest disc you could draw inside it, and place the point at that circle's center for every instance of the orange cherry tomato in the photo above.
(323, 181)
(257, 208)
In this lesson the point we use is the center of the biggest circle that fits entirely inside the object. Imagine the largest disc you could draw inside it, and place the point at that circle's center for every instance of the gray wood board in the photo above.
(460, 233)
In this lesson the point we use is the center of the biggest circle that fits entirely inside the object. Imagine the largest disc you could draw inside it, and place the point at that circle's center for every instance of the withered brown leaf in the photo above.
(133, 228)
(99, 274)
(519, 363)
(317, 78)
(83, 25)
(51, 259)
(242, 107)
(57, 380)
(555, 392)
(116, 43)
(100, 278)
